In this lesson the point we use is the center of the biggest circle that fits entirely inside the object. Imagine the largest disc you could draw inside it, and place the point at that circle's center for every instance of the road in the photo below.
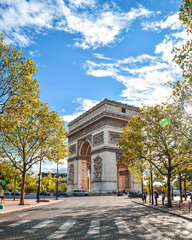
(102, 218)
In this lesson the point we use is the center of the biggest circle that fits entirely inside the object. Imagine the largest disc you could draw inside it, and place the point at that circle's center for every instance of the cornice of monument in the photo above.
(112, 102)
(103, 114)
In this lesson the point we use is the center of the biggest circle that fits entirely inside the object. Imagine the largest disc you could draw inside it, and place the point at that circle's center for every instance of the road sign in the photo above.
(3, 182)
(165, 186)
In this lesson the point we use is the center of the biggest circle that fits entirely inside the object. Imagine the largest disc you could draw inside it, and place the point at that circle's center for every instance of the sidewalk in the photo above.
(182, 212)
(13, 206)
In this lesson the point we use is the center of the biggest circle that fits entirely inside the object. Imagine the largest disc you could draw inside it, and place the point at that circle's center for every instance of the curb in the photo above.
(162, 210)
(26, 208)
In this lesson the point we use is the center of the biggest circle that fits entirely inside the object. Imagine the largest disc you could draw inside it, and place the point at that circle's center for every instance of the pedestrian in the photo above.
(163, 198)
(156, 196)
(144, 197)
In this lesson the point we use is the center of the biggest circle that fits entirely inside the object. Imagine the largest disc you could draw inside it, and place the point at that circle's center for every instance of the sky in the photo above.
(88, 50)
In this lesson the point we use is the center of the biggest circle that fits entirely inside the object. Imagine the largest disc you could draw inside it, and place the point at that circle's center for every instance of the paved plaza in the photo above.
(104, 217)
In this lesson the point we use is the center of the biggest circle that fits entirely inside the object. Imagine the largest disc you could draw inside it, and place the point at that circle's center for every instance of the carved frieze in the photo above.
(98, 139)
(72, 149)
(114, 137)
(97, 168)
(96, 125)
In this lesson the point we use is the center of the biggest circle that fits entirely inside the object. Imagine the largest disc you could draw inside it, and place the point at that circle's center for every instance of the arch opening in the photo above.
(123, 178)
(85, 156)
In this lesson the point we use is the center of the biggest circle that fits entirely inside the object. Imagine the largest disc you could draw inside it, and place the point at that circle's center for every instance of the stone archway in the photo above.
(93, 138)
(85, 156)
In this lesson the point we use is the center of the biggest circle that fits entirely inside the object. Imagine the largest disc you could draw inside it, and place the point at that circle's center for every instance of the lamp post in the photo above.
(152, 184)
(39, 182)
(57, 183)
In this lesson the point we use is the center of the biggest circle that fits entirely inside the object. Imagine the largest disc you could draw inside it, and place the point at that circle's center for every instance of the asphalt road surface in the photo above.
(103, 218)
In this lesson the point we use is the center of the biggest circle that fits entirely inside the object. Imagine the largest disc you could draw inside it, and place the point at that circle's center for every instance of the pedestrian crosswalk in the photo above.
(38, 226)
(121, 227)
(63, 230)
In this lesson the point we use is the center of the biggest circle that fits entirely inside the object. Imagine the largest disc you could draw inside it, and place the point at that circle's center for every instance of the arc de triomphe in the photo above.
(93, 163)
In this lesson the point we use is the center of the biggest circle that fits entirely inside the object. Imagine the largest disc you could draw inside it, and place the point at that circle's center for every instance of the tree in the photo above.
(13, 70)
(150, 138)
(36, 134)
(182, 90)
(31, 182)
(32, 133)
(10, 175)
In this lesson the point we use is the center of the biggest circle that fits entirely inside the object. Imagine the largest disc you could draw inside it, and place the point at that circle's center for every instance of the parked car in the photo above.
(176, 192)
(119, 193)
(80, 192)
(17, 193)
(7, 192)
(61, 193)
(134, 194)
(188, 193)
(44, 193)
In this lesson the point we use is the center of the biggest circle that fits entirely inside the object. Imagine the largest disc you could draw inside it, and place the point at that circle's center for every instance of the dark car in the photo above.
(17, 193)
(61, 193)
(119, 193)
(134, 194)
(44, 193)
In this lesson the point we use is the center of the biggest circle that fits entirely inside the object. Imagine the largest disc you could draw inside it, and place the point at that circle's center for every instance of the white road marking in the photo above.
(1, 230)
(63, 229)
(122, 227)
(152, 230)
(18, 223)
(94, 227)
(189, 228)
(38, 226)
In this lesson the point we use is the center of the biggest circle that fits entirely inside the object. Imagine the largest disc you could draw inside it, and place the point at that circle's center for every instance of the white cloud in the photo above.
(97, 24)
(50, 167)
(85, 104)
(100, 56)
(82, 3)
(34, 53)
(171, 22)
(143, 76)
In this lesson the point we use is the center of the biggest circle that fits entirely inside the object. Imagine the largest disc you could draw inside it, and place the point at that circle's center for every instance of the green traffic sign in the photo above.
(165, 186)
(3, 182)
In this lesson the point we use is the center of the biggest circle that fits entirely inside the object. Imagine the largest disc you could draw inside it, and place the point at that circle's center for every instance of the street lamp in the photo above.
(39, 183)
(57, 183)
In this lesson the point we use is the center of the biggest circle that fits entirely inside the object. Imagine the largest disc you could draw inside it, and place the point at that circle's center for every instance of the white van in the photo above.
(80, 192)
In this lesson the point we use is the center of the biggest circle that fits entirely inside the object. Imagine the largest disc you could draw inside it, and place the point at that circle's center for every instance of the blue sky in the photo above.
(88, 50)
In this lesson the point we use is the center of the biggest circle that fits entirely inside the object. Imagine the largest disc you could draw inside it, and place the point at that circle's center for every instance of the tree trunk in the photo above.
(180, 187)
(14, 187)
(23, 185)
(152, 186)
(185, 189)
(149, 192)
(169, 189)
(172, 195)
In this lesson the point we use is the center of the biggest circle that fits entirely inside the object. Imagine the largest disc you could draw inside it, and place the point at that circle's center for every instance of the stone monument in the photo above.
(94, 163)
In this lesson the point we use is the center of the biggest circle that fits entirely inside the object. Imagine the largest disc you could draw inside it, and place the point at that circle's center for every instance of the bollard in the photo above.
(189, 206)
(1, 206)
